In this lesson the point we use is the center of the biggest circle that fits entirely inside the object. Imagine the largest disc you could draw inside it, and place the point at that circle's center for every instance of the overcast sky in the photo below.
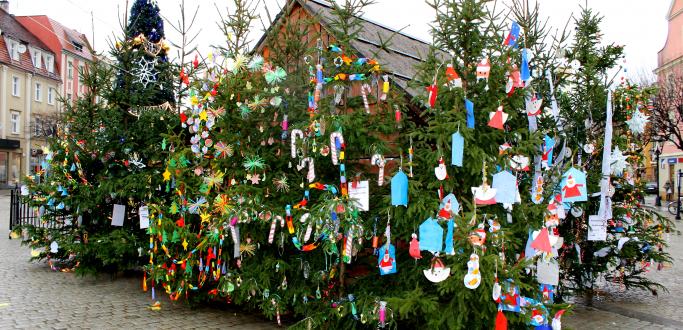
(638, 24)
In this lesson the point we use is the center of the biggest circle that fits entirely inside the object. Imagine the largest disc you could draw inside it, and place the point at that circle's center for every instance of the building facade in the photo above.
(29, 83)
(669, 64)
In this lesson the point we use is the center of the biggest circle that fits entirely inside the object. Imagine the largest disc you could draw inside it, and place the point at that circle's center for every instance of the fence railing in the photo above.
(22, 213)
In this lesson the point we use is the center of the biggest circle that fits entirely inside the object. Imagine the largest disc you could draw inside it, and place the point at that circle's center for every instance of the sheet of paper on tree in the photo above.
(505, 184)
(359, 192)
(605, 211)
(597, 228)
(547, 271)
(143, 213)
(431, 236)
(457, 148)
(399, 189)
(469, 106)
(118, 215)
(573, 186)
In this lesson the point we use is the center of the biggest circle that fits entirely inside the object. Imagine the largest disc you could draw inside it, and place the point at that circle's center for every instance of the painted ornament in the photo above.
(519, 163)
(438, 272)
(448, 207)
(478, 237)
(574, 186)
(483, 69)
(547, 156)
(433, 90)
(473, 277)
(514, 81)
(498, 118)
(454, 80)
(387, 260)
(533, 106)
(414, 249)
(484, 194)
(440, 170)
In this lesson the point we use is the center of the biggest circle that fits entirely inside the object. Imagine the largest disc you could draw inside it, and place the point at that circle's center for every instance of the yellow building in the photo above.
(29, 85)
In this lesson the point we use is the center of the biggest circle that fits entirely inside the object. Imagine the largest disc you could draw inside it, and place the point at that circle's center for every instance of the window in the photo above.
(50, 95)
(39, 96)
(78, 46)
(38, 127)
(81, 71)
(70, 70)
(49, 63)
(68, 96)
(14, 120)
(13, 48)
(36, 55)
(16, 89)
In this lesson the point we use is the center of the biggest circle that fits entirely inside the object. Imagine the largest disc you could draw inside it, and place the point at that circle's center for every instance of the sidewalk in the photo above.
(34, 297)
(638, 309)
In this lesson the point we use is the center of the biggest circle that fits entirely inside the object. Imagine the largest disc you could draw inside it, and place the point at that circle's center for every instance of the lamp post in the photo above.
(678, 203)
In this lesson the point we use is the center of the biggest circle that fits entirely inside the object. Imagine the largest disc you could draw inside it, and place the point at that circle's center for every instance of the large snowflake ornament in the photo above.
(144, 71)
(618, 161)
(637, 122)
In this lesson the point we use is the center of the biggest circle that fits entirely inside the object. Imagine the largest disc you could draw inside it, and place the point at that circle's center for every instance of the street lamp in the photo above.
(657, 150)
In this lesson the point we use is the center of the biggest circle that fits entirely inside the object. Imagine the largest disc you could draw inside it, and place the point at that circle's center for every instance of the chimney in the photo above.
(4, 4)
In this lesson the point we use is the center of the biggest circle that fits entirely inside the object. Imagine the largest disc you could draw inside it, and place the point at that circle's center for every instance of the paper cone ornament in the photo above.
(469, 106)
(414, 249)
(438, 272)
(431, 236)
(457, 148)
(501, 321)
(542, 241)
(454, 80)
(387, 259)
(440, 170)
(498, 118)
(399, 189)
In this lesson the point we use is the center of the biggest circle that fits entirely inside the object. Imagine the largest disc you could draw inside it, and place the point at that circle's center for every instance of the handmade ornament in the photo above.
(469, 106)
(440, 170)
(524, 72)
(484, 194)
(509, 299)
(618, 162)
(514, 81)
(449, 207)
(548, 272)
(454, 80)
(296, 133)
(497, 118)
(448, 243)
(379, 161)
(457, 148)
(143, 214)
(473, 277)
(511, 39)
(382, 314)
(337, 147)
(557, 322)
(574, 186)
(311, 168)
(519, 163)
(533, 105)
(385, 87)
(501, 321)
(364, 90)
(359, 193)
(605, 209)
(541, 241)
(387, 259)
(483, 69)
(438, 272)
(505, 185)
(547, 293)
(118, 215)
(431, 236)
(478, 237)
(432, 90)
(54, 247)
(399, 189)
(547, 156)
(637, 122)
(537, 188)
(414, 249)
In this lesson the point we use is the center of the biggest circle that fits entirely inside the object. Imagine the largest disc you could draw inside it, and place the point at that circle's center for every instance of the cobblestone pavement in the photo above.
(34, 297)
(638, 309)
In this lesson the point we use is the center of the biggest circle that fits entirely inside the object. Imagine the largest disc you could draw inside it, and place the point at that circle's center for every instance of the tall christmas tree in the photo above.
(611, 238)
(106, 162)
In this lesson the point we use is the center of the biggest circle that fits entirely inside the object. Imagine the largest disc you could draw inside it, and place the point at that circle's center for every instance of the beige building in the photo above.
(29, 84)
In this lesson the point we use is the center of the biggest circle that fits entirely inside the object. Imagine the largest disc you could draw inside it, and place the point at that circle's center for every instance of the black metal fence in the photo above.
(22, 213)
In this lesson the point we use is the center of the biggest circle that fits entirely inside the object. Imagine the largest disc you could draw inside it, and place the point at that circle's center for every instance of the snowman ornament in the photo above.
(440, 170)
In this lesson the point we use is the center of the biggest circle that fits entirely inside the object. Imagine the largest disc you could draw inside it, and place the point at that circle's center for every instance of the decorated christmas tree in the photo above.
(107, 160)
(609, 237)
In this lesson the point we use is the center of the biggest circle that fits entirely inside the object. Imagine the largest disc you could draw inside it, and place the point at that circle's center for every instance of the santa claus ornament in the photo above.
(533, 106)
(454, 80)
(438, 272)
(387, 259)
(483, 70)
(414, 248)
(440, 170)
(574, 186)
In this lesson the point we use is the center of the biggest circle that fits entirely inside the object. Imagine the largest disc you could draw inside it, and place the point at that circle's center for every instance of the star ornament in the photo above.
(637, 122)
(618, 161)
(167, 175)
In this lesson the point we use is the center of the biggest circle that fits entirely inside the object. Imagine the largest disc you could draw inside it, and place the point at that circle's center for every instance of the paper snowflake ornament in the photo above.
(637, 122)
(144, 71)
(618, 161)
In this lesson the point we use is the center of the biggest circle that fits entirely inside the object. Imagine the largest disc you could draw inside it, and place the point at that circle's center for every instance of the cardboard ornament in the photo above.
(498, 118)
(533, 106)
(414, 249)
(454, 80)
(431, 236)
(547, 155)
(438, 272)
(457, 148)
(484, 194)
(448, 243)
(473, 277)
(483, 69)
(511, 39)
(505, 184)
(399, 189)
(542, 241)
(432, 90)
(478, 236)
(519, 163)
(574, 186)
(387, 260)
(440, 170)
(449, 207)
(469, 106)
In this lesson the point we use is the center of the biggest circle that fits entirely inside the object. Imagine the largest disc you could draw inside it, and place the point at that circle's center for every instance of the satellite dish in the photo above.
(21, 49)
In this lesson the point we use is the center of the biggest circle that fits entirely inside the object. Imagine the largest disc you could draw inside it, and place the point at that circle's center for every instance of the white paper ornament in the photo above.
(618, 161)
(637, 122)
(438, 272)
